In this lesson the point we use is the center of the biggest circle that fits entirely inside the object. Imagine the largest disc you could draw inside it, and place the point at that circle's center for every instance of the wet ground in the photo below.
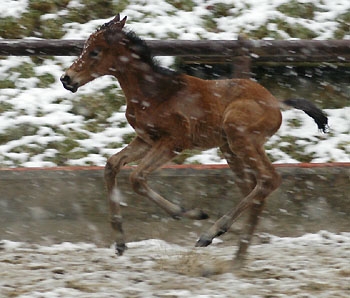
(314, 265)
(289, 257)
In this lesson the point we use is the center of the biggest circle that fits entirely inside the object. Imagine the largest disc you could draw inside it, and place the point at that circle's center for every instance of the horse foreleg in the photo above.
(162, 151)
(134, 151)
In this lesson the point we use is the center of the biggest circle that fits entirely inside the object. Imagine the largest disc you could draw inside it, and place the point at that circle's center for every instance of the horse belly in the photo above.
(207, 138)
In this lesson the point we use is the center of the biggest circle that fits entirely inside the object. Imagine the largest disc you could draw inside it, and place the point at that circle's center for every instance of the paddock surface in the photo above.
(314, 265)
(55, 240)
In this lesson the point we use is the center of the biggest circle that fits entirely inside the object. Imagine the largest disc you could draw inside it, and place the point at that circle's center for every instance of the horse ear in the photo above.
(113, 31)
(116, 19)
(123, 21)
(117, 22)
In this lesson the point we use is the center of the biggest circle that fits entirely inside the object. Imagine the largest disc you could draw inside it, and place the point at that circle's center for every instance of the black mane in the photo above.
(139, 47)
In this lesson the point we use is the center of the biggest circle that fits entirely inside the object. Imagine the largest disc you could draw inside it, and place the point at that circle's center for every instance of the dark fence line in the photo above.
(291, 51)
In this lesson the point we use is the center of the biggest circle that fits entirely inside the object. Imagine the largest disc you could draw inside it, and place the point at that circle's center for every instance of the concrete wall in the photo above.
(69, 204)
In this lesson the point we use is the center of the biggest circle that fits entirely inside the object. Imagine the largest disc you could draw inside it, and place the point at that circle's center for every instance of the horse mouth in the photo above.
(68, 84)
(72, 88)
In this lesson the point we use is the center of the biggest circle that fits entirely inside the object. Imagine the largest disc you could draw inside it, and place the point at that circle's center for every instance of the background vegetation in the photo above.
(27, 138)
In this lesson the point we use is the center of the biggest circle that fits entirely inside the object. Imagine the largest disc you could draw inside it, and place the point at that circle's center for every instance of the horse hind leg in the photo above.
(255, 210)
(244, 145)
(267, 180)
(246, 182)
(244, 178)
(134, 151)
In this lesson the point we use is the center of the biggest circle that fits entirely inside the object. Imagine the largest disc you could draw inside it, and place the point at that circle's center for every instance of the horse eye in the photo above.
(94, 53)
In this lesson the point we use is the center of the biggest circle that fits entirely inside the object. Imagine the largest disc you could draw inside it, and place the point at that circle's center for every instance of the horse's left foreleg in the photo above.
(134, 151)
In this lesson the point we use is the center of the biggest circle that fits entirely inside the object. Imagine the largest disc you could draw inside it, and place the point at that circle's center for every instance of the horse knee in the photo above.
(112, 167)
(271, 182)
(109, 172)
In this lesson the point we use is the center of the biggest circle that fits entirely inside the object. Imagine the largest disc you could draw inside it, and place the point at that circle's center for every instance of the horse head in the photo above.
(105, 52)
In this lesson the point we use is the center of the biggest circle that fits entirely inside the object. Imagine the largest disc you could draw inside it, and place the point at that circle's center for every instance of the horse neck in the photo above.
(144, 82)
(130, 83)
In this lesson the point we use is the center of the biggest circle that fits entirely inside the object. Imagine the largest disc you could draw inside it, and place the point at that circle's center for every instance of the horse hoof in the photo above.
(203, 241)
(176, 217)
(196, 214)
(120, 248)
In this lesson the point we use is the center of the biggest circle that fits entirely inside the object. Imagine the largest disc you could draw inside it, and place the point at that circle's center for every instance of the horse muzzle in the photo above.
(68, 83)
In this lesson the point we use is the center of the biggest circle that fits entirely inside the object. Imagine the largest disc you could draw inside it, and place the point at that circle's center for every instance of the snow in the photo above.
(13, 8)
(50, 108)
(313, 265)
(323, 146)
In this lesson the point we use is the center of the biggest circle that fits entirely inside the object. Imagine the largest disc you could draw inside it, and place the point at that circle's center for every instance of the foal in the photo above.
(171, 112)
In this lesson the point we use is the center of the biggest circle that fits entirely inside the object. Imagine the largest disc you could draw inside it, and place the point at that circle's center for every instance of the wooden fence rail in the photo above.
(290, 51)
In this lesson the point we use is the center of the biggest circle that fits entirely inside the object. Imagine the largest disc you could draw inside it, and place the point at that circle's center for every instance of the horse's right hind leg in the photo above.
(244, 178)
(246, 182)
(256, 208)
(245, 126)
(134, 151)
(267, 180)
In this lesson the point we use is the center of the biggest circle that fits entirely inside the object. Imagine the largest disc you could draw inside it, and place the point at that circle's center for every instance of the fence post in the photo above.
(242, 63)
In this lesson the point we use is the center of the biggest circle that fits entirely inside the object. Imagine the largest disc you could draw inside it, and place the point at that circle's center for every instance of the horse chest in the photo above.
(147, 125)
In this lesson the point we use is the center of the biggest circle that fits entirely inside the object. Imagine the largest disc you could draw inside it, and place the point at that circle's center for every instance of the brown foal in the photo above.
(171, 112)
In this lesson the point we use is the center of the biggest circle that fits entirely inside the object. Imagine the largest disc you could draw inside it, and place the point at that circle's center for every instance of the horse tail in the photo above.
(310, 109)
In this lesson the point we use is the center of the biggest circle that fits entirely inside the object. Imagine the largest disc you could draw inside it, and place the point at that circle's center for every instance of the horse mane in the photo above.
(139, 47)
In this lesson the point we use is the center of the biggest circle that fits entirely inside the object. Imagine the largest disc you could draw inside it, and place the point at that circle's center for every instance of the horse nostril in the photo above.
(65, 79)
(68, 83)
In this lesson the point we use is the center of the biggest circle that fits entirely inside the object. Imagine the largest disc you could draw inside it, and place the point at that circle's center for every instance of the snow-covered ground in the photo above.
(314, 265)
(42, 124)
